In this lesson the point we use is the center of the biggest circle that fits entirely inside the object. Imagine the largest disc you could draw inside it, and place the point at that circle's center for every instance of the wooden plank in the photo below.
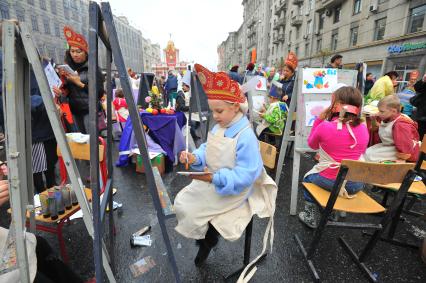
(416, 188)
(361, 203)
(369, 172)
(67, 214)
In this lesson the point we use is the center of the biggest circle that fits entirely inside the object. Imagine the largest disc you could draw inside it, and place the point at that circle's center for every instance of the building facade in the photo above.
(47, 19)
(384, 34)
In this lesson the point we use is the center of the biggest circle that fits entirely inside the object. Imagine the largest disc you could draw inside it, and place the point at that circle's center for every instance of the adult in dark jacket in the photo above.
(419, 101)
(43, 141)
(369, 82)
(76, 86)
(233, 74)
(288, 77)
(171, 83)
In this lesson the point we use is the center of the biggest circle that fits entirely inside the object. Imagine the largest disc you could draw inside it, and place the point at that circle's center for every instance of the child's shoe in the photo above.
(309, 215)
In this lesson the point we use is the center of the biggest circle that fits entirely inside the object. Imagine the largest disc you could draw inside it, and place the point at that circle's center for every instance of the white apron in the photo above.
(198, 203)
(326, 161)
(384, 151)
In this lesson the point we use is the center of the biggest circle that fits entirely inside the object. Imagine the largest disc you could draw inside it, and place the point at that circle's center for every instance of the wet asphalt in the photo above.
(284, 264)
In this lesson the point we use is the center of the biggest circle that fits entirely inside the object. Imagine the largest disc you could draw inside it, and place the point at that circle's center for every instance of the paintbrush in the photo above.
(186, 149)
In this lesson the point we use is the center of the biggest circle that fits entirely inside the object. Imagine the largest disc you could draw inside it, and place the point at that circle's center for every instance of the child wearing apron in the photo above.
(236, 187)
(337, 134)
(398, 134)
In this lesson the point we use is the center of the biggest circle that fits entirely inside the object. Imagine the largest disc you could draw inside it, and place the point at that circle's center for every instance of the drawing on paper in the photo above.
(313, 110)
(319, 80)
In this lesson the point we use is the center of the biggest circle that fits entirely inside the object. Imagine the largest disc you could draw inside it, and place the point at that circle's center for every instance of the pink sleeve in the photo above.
(314, 136)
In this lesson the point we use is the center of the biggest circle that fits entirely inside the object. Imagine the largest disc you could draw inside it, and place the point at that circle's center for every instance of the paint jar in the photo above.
(52, 204)
(66, 197)
(44, 201)
(74, 199)
(59, 202)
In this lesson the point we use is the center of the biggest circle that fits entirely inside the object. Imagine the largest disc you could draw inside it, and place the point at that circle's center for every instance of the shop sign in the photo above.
(406, 47)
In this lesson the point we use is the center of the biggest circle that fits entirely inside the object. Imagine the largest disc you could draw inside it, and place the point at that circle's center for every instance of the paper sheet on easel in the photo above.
(313, 110)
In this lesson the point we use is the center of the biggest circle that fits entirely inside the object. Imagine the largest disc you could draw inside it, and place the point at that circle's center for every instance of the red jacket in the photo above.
(406, 139)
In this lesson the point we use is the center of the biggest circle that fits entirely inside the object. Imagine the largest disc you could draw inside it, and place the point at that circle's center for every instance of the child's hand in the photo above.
(285, 98)
(187, 157)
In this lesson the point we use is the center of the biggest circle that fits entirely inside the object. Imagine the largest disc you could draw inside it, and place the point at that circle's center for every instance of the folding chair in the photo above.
(269, 154)
(417, 191)
(82, 152)
(356, 171)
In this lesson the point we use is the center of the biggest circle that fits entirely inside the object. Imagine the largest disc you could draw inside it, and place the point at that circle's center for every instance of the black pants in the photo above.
(49, 174)
(422, 129)
(50, 268)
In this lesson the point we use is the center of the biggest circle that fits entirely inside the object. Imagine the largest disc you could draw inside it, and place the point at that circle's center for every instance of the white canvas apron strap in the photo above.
(269, 233)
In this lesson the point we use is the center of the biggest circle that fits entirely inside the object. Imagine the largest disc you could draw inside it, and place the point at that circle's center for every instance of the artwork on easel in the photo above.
(314, 109)
(319, 80)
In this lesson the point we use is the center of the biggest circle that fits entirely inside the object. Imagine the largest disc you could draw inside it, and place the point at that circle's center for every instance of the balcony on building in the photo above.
(275, 39)
(297, 2)
(282, 5)
(296, 20)
(326, 4)
(281, 37)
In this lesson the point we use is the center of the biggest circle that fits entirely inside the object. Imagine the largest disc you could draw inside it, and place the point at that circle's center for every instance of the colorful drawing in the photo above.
(314, 109)
(319, 80)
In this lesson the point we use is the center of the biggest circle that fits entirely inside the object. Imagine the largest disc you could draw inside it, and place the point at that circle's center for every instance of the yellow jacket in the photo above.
(381, 88)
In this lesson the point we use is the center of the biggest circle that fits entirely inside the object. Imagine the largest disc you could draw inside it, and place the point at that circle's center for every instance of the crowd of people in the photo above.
(235, 186)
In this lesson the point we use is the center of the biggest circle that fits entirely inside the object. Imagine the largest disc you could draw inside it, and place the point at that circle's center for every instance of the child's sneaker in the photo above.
(309, 215)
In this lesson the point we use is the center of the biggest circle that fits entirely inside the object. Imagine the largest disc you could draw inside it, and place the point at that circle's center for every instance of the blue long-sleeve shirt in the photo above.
(248, 161)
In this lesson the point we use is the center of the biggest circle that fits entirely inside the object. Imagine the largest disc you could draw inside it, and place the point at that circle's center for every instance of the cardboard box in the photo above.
(157, 161)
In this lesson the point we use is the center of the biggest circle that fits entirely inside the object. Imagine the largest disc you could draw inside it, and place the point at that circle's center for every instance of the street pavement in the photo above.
(284, 264)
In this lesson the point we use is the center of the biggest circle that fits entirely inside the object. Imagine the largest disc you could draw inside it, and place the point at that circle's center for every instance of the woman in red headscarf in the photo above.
(288, 77)
(76, 83)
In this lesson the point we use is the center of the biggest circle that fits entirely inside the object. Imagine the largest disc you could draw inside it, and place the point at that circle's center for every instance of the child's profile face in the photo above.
(386, 113)
(223, 112)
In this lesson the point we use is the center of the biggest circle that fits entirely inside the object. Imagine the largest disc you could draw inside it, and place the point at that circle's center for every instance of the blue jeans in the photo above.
(327, 184)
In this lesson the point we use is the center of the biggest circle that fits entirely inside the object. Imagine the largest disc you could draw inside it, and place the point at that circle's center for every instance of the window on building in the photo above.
(67, 14)
(357, 6)
(66, 4)
(321, 21)
(300, 10)
(20, 14)
(337, 13)
(334, 37)
(296, 49)
(34, 23)
(383, 1)
(289, 35)
(307, 50)
(297, 32)
(309, 27)
(57, 31)
(379, 29)
(53, 6)
(31, 2)
(417, 17)
(319, 44)
(43, 4)
(46, 26)
(4, 12)
(353, 36)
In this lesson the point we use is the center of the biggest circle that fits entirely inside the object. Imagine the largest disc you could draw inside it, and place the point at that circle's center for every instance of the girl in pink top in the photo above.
(337, 134)
(120, 105)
